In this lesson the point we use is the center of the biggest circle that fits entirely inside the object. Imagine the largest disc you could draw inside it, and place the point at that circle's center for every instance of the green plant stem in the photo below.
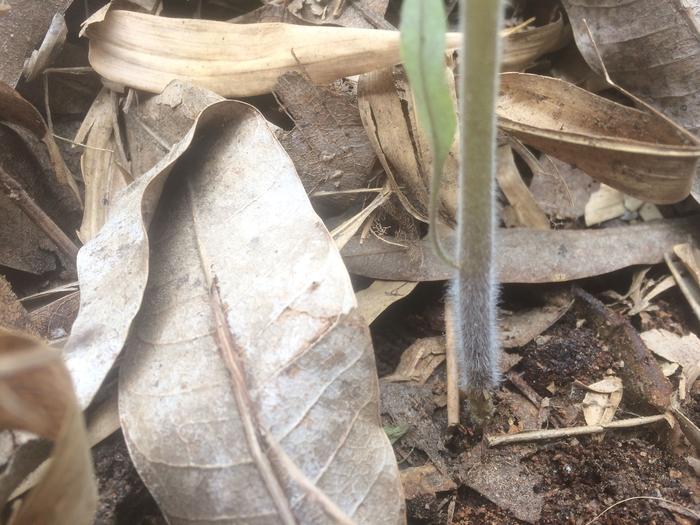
(475, 290)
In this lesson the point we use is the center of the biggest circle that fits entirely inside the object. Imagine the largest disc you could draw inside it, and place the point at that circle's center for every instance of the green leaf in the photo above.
(395, 432)
(423, 27)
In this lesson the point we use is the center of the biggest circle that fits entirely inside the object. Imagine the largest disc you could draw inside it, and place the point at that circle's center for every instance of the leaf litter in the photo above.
(215, 306)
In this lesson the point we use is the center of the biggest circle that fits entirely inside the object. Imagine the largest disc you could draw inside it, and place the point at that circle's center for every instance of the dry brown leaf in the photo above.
(342, 233)
(249, 334)
(379, 295)
(516, 191)
(103, 324)
(528, 256)
(37, 397)
(686, 282)
(17, 111)
(147, 52)
(54, 320)
(102, 176)
(328, 143)
(12, 313)
(690, 256)
(51, 46)
(522, 48)
(425, 480)
(519, 328)
(419, 361)
(634, 151)
(659, 38)
(602, 400)
(21, 32)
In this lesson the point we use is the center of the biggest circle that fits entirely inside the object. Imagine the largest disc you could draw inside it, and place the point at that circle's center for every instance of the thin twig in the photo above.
(540, 435)
(64, 139)
(452, 368)
(654, 498)
(15, 192)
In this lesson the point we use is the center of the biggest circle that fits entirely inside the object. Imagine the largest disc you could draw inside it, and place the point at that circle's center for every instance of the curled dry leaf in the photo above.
(684, 350)
(637, 152)
(102, 175)
(601, 401)
(102, 326)
(379, 295)
(649, 47)
(528, 256)
(50, 48)
(516, 191)
(17, 111)
(522, 48)
(685, 280)
(37, 397)
(419, 361)
(234, 60)
(249, 334)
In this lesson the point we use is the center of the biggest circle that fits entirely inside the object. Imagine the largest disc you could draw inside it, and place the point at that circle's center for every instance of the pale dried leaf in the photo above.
(688, 254)
(103, 324)
(516, 191)
(606, 203)
(684, 350)
(528, 256)
(686, 282)
(600, 404)
(51, 46)
(425, 480)
(54, 320)
(522, 48)
(357, 13)
(519, 328)
(342, 233)
(249, 334)
(419, 361)
(38, 397)
(634, 151)
(379, 295)
(128, 48)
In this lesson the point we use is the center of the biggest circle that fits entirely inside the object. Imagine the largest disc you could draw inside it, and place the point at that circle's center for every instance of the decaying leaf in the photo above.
(684, 350)
(634, 151)
(507, 481)
(50, 48)
(419, 361)
(686, 282)
(37, 397)
(642, 291)
(357, 13)
(659, 38)
(17, 111)
(379, 295)
(528, 256)
(328, 143)
(561, 190)
(54, 320)
(241, 265)
(425, 480)
(12, 313)
(102, 175)
(342, 233)
(27, 31)
(689, 255)
(527, 211)
(601, 401)
(128, 48)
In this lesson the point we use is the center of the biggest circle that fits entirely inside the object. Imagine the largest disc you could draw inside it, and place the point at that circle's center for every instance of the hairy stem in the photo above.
(475, 290)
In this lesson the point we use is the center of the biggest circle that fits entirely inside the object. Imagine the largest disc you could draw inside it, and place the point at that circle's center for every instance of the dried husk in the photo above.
(637, 152)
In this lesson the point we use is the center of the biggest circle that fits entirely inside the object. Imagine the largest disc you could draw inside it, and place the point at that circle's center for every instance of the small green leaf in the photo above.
(423, 28)
(395, 432)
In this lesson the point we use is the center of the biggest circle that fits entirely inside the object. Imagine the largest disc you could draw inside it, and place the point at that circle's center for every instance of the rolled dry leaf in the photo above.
(637, 152)
(234, 60)
(522, 48)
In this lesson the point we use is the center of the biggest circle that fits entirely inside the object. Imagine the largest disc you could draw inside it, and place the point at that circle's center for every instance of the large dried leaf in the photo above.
(147, 52)
(649, 47)
(102, 326)
(248, 391)
(37, 397)
(328, 143)
(634, 151)
(528, 256)
(379, 295)
(12, 313)
(21, 29)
